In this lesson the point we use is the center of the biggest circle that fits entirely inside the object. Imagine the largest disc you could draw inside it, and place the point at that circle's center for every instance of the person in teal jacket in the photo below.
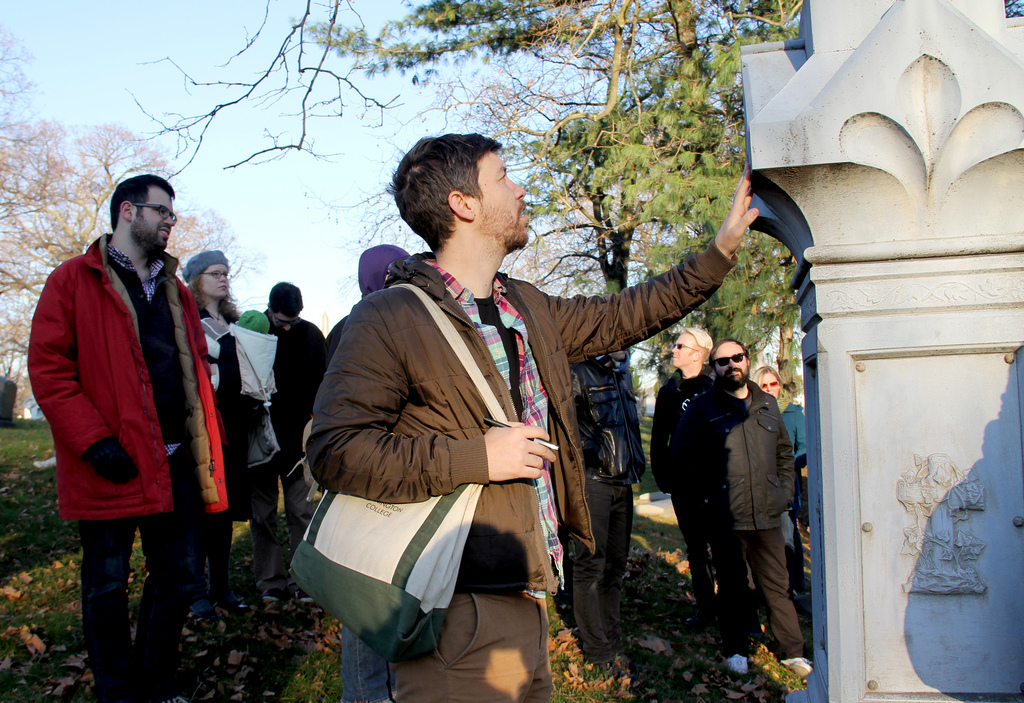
(767, 377)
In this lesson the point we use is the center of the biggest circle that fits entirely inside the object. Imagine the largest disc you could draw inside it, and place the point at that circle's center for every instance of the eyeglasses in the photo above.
(216, 275)
(283, 322)
(683, 346)
(769, 384)
(735, 358)
(165, 214)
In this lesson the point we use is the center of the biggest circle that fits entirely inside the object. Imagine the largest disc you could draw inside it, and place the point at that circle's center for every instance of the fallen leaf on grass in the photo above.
(700, 688)
(733, 695)
(13, 593)
(655, 644)
(31, 641)
(75, 661)
(35, 645)
(24, 578)
(687, 676)
(235, 658)
(5, 664)
(63, 687)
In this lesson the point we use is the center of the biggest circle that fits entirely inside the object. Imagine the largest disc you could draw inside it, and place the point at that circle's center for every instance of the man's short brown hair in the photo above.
(431, 170)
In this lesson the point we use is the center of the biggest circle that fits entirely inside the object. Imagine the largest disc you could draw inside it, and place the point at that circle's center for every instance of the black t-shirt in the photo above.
(489, 315)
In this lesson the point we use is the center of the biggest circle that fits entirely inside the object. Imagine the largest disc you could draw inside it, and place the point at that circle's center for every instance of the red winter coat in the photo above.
(91, 381)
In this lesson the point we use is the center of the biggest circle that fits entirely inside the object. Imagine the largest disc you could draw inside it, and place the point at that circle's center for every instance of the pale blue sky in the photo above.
(89, 59)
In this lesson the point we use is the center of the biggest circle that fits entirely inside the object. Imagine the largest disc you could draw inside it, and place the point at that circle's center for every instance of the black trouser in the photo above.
(766, 551)
(146, 670)
(701, 577)
(597, 575)
(215, 534)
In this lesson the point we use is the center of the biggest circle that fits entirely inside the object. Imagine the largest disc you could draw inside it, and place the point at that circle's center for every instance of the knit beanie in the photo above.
(255, 321)
(202, 261)
(373, 266)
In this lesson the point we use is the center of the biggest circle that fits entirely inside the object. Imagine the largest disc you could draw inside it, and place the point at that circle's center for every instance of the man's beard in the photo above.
(731, 382)
(508, 231)
(147, 238)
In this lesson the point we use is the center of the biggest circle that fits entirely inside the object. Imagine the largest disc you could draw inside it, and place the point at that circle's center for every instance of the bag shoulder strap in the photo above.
(458, 345)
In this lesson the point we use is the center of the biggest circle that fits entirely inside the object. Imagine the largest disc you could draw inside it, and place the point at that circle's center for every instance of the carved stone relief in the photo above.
(931, 146)
(940, 497)
(900, 294)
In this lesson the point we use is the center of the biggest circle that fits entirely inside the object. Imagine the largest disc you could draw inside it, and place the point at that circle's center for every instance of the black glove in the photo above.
(111, 461)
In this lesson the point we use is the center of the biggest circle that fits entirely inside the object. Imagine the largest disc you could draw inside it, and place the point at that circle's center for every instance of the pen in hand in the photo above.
(497, 423)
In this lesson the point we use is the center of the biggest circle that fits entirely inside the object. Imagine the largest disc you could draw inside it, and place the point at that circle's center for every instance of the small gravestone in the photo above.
(8, 392)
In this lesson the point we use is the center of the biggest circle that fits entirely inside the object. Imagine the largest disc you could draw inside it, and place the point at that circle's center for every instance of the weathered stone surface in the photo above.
(887, 148)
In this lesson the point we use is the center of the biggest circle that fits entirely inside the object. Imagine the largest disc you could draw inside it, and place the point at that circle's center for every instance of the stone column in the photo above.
(886, 144)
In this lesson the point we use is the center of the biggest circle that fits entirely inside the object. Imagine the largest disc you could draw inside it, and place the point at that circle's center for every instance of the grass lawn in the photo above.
(292, 652)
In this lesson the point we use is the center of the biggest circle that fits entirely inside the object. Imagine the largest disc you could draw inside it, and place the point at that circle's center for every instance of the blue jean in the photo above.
(365, 676)
(144, 671)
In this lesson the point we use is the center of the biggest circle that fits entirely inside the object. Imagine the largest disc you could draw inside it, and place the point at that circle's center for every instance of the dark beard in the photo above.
(730, 383)
(146, 238)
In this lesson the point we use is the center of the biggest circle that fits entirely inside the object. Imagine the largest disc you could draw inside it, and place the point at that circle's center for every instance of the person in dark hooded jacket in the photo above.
(365, 676)
(373, 270)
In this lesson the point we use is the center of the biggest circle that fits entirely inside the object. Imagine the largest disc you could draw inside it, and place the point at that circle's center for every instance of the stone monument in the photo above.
(8, 393)
(886, 143)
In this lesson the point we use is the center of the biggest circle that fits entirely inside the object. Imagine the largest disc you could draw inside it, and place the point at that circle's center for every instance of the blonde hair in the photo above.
(702, 338)
(227, 306)
(761, 371)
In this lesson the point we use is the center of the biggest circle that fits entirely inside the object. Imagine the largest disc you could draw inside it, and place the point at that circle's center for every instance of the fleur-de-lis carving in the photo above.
(930, 148)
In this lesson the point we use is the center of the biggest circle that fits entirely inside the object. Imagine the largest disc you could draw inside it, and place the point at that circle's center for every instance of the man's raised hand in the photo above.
(740, 216)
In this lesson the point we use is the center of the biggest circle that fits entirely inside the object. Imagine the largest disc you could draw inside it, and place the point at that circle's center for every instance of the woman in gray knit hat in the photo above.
(206, 274)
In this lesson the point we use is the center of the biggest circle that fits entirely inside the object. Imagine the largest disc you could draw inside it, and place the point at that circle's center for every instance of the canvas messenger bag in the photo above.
(387, 571)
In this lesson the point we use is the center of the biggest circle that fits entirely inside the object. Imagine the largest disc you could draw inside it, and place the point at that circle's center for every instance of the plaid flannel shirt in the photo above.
(535, 398)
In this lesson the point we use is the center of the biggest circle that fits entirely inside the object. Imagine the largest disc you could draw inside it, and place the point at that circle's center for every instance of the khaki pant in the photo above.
(492, 649)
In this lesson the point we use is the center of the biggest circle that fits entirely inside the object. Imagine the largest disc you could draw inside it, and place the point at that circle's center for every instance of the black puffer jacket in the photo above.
(738, 461)
(673, 399)
(613, 451)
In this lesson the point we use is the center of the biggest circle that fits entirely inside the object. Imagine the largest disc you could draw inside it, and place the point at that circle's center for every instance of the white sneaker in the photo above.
(799, 666)
(737, 664)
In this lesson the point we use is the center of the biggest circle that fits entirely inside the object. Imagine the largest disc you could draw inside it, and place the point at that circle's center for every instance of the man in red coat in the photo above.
(117, 362)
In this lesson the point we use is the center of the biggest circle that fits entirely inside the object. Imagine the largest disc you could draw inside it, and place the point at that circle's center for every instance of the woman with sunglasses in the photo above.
(206, 274)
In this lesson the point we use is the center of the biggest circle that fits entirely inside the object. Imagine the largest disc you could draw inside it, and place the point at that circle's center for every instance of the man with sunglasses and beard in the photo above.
(738, 459)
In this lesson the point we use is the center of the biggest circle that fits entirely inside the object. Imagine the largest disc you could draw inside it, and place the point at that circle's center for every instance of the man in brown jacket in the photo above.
(398, 420)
